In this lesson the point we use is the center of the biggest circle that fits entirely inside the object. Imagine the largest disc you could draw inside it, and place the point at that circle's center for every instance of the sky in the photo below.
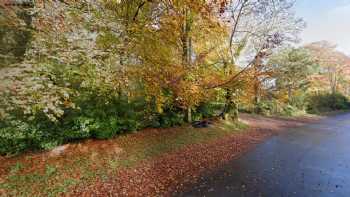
(326, 20)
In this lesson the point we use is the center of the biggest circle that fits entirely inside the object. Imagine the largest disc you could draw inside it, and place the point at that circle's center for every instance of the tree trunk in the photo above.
(234, 110)
(333, 82)
(256, 95)
(186, 40)
(189, 115)
(186, 50)
(231, 107)
(289, 94)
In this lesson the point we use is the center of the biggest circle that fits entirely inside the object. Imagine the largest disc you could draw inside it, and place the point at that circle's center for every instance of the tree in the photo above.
(258, 29)
(74, 39)
(15, 32)
(291, 70)
(114, 66)
(332, 62)
(184, 59)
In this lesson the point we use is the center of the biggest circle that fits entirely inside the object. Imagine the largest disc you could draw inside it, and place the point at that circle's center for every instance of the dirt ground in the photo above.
(168, 174)
(163, 173)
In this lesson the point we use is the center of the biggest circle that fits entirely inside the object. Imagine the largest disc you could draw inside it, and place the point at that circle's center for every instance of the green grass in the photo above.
(58, 176)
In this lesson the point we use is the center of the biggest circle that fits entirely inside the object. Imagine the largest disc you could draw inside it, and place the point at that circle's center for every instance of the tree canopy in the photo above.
(97, 68)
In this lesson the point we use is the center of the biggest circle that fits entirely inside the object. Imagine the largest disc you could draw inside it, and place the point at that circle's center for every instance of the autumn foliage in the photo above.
(95, 69)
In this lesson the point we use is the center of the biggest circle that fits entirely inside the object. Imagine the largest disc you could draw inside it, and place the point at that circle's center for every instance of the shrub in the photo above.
(95, 116)
(207, 110)
(265, 108)
(81, 128)
(273, 107)
(299, 101)
(290, 110)
(171, 117)
(327, 102)
(105, 129)
(17, 136)
(12, 141)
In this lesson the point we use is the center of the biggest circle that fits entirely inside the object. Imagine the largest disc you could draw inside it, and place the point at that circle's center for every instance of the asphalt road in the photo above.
(309, 161)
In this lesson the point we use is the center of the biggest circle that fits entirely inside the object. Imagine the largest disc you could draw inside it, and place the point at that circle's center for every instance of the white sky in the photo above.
(326, 20)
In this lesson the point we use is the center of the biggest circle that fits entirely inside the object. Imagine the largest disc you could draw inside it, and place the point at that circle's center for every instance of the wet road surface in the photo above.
(309, 161)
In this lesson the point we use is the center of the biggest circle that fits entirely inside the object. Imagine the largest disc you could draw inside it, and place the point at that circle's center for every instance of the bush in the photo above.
(273, 107)
(17, 136)
(81, 128)
(100, 117)
(299, 101)
(104, 117)
(171, 117)
(95, 116)
(105, 129)
(327, 102)
(12, 141)
(289, 110)
(207, 110)
(265, 107)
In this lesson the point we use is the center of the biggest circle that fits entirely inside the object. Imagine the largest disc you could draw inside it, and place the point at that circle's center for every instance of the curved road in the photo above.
(309, 161)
